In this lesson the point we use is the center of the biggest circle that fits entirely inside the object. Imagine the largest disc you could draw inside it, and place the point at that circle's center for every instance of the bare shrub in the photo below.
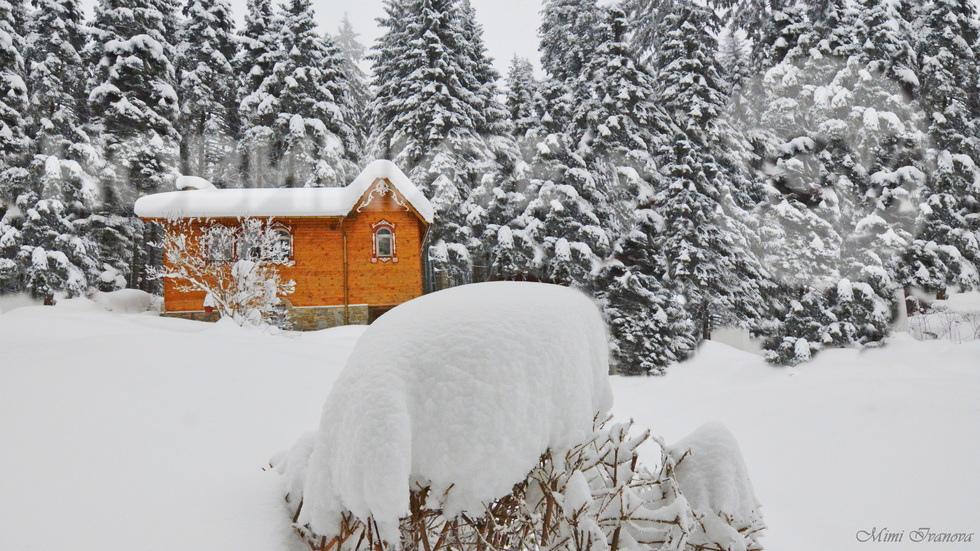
(591, 497)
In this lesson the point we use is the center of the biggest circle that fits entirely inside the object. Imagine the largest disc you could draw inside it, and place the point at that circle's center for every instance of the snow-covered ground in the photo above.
(129, 431)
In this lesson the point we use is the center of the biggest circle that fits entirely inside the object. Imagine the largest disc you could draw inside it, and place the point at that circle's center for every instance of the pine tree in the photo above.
(703, 192)
(946, 251)
(521, 88)
(562, 58)
(253, 65)
(14, 143)
(208, 114)
(353, 52)
(134, 109)
(308, 109)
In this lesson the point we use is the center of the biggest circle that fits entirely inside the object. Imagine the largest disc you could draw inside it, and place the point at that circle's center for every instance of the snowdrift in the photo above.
(462, 390)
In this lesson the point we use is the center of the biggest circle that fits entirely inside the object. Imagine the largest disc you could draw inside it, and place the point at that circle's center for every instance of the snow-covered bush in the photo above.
(474, 418)
(711, 474)
(236, 266)
(956, 319)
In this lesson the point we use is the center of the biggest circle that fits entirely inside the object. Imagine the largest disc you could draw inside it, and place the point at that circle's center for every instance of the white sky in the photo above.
(510, 26)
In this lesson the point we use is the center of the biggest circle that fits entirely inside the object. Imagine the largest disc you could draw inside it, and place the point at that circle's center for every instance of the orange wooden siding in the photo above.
(318, 256)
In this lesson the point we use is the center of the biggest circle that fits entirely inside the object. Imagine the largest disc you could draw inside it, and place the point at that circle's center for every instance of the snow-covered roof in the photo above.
(283, 202)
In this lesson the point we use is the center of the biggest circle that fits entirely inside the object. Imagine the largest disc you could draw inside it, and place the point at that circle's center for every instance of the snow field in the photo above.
(124, 431)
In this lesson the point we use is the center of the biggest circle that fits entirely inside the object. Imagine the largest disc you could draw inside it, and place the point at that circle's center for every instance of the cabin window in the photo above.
(248, 247)
(221, 250)
(384, 242)
(219, 243)
(283, 246)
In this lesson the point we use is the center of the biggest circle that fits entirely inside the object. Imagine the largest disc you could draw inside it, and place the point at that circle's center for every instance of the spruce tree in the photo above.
(353, 52)
(946, 250)
(703, 192)
(302, 110)
(521, 88)
(14, 142)
(134, 109)
(650, 327)
(206, 85)
(61, 179)
(571, 30)
(435, 113)
(256, 57)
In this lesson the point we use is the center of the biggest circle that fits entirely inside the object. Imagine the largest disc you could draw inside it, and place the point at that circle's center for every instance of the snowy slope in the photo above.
(124, 431)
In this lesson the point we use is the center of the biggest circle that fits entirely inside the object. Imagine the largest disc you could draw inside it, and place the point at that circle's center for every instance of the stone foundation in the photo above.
(193, 316)
(312, 318)
(305, 318)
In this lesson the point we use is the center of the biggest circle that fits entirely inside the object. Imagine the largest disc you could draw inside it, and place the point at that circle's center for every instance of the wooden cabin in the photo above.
(355, 252)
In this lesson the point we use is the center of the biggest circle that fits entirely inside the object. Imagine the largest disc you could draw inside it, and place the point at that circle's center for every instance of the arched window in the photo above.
(283, 244)
(384, 242)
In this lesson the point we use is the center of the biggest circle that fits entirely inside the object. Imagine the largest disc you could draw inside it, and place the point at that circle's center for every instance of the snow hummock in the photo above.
(462, 389)
(712, 475)
(216, 203)
(126, 301)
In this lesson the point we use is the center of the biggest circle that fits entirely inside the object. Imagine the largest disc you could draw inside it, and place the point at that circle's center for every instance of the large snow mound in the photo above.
(463, 389)
(282, 201)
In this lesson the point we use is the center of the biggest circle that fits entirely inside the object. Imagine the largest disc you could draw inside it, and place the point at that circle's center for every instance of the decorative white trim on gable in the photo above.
(382, 189)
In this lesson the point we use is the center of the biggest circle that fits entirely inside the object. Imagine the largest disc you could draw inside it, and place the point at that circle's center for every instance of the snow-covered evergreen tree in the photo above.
(353, 52)
(616, 127)
(309, 110)
(206, 86)
(59, 193)
(436, 114)
(848, 177)
(14, 142)
(256, 57)
(133, 99)
(521, 87)
(703, 192)
(650, 327)
(946, 250)
(134, 108)
(561, 223)
(570, 32)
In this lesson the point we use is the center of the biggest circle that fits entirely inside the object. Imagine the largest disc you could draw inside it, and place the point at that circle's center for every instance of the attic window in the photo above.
(384, 242)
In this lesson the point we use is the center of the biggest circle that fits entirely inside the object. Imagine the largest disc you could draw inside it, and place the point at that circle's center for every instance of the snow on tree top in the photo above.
(463, 389)
(285, 202)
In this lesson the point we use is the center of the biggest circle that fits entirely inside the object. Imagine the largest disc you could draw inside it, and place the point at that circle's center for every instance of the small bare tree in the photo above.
(237, 266)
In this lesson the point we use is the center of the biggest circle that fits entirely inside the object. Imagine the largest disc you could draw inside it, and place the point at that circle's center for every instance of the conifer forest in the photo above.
(790, 167)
